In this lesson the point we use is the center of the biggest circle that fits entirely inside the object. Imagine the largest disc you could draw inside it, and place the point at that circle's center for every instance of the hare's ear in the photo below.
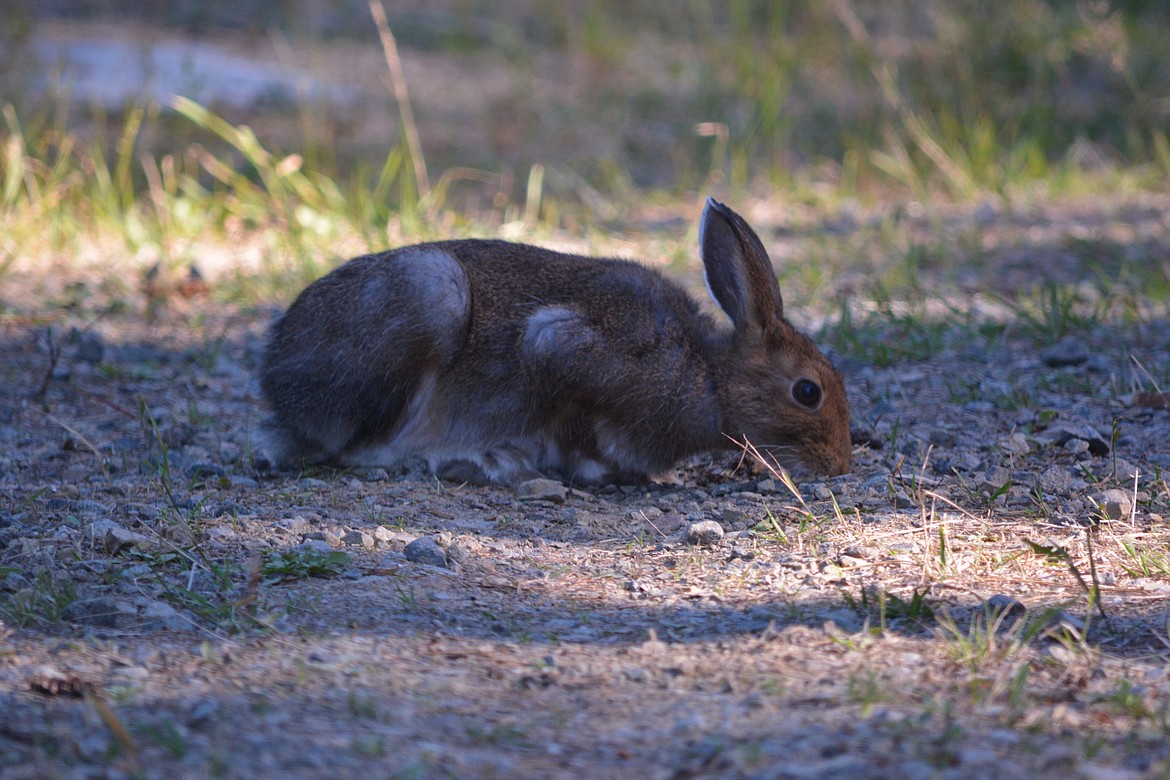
(738, 272)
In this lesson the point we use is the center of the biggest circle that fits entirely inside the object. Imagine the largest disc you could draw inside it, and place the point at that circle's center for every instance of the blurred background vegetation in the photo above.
(562, 116)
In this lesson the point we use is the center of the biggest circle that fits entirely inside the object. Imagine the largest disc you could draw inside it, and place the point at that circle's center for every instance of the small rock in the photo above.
(13, 581)
(704, 532)
(820, 491)
(1098, 364)
(90, 348)
(733, 516)
(219, 533)
(1061, 433)
(1123, 469)
(636, 674)
(86, 507)
(1116, 504)
(1000, 604)
(741, 553)
(136, 572)
(903, 500)
(917, 770)
(768, 486)
(1056, 481)
(1069, 351)
(358, 539)
(1057, 757)
(903, 548)
(986, 212)
(204, 469)
(102, 612)
(114, 538)
(162, 615)
(426, 550)
(1016, 443)
(315, 545)
(541, 490)
(330, 538)
(975, 756)
(942, 438)
(373, 475)
(966, 462)
(992, 481)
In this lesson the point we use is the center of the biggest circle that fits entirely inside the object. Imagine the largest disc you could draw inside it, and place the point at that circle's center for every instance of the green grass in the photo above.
(42, 603)
(824, 103)
(301, 563)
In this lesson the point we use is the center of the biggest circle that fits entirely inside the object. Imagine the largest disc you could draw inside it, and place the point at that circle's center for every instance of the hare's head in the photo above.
(778, 391)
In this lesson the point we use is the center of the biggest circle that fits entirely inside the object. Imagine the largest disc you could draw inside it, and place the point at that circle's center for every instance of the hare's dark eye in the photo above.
(806, 393)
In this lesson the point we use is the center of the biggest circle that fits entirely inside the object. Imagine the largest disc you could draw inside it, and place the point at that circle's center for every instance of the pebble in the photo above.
(425, 550)
(1069, 351)
(1016, 443)
(917, 769)
(966, 462)
(101, 612)
(90, 349)
(315, 545)
(999, 604)
(1056, 480)
(219, 533)
(329, 538)
(733, 516)
(113, 538)
(769, 486)
(704, 532)
(1061, 433)
(159, 614)
(1116, 504)
(992, 480)
(13, 581)
(541, 490)
(942, 438)
(358, 539)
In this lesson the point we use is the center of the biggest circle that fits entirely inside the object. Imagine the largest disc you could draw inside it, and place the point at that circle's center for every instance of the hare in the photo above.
(496, 362)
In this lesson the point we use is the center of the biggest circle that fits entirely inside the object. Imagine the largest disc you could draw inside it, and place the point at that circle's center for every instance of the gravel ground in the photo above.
(171, 609)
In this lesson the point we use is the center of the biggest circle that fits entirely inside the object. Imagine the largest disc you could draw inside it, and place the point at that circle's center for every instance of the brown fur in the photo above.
(499, 361)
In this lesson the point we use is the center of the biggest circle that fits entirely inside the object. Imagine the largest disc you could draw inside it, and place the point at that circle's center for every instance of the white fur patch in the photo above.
(438, 276)
(555, 330)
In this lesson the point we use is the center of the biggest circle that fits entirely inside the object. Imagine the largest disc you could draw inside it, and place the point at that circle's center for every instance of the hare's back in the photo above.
(511, 280)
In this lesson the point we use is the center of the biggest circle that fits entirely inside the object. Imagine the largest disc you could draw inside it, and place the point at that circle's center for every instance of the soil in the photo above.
(171, 608)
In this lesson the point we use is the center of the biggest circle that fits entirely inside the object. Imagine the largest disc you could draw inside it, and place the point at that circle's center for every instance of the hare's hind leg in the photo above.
(352, 353)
